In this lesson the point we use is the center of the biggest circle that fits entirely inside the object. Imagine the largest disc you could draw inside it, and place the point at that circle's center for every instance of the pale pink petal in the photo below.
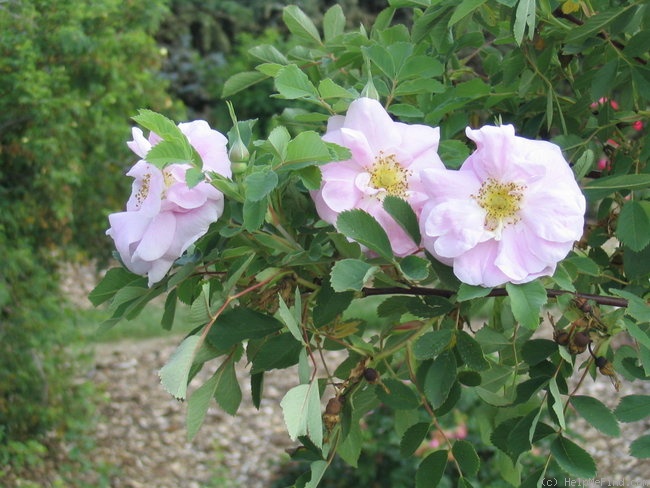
(157, 238)
(335, 123)
(146, 189)
(210, 144)
(139, 144)
(455, 226)
(127, 228)
(362, 154)
(420, 142)
(159, 268)
(443, 184)
(368, 116)
(476, 266)
(192, 225)
(324, 211)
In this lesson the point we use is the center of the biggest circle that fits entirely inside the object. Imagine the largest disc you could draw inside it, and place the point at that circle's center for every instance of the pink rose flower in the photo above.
(509, 214)
(164, 216)
(387, 158)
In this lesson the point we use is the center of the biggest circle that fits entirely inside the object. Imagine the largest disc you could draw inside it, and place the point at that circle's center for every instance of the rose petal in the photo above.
(158, 237)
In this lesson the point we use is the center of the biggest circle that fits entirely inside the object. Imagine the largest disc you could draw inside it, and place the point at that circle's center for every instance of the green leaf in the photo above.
(169, 152)
(351, 274)
(413, 438)
(602, 187)
(114, 280)
(405, 110)
(640, 335)
(432, 343)
(299, 24)
(399, 395)
(254, 213)
(466, 457)
(414, 268)
(259, 184)
(640, 447)
(241, 81)
(175, 373)
(239, 324)
(197, 405)
(572, 458)
(524, 17)
(279, 352)
(470, 351)
(584, 164)
(431, 469)
(604, 79)
(310, 176)
(194, 176)
(170, 310)
(404, 215)
(308, 147)
(159, 124)
(380, 56)
(317, 469)
(465, 8)
(558, 405)
(224, 387)
(268, 54)
(632, 408)
(350, 448)
(633, 227)
(637, 307)
(302, 414)
(593, 25)
(329, 304)
(440, 378)
(597, 414)
(638, 44)
(333, 22)
(363, 228)
(257, 386)
(468, 292)
(292, 83)
(534, 351)
(328, 89)
(526, 301)
(289, 319)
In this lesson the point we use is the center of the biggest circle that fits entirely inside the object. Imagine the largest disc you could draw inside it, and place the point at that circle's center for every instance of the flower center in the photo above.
(501, 202)
(388, 175)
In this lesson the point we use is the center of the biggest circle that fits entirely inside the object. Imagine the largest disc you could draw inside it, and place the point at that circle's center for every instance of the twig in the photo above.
(498, 292)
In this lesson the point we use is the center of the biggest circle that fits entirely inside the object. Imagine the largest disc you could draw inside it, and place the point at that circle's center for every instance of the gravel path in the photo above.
(142, 429)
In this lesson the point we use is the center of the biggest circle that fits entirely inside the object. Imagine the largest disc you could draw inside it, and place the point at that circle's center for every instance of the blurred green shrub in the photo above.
(71, 73)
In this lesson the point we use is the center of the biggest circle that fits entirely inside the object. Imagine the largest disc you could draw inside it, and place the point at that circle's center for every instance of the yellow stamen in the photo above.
(501, 202)
(143, 191)
(390, 176)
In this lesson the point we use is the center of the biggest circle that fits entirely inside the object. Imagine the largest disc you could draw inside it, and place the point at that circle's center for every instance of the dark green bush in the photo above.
(71, 73)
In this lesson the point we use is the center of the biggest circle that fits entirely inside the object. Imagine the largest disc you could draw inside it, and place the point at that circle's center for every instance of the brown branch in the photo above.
(498, 292)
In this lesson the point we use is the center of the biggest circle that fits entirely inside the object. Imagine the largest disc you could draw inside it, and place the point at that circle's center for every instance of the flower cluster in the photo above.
(164, 216)
(510, 213)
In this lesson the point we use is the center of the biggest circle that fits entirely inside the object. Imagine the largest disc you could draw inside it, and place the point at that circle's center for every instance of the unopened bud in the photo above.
(369, 91)
(238, 152)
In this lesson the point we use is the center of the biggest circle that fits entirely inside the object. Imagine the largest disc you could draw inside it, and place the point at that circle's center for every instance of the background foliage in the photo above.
(70, 75)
